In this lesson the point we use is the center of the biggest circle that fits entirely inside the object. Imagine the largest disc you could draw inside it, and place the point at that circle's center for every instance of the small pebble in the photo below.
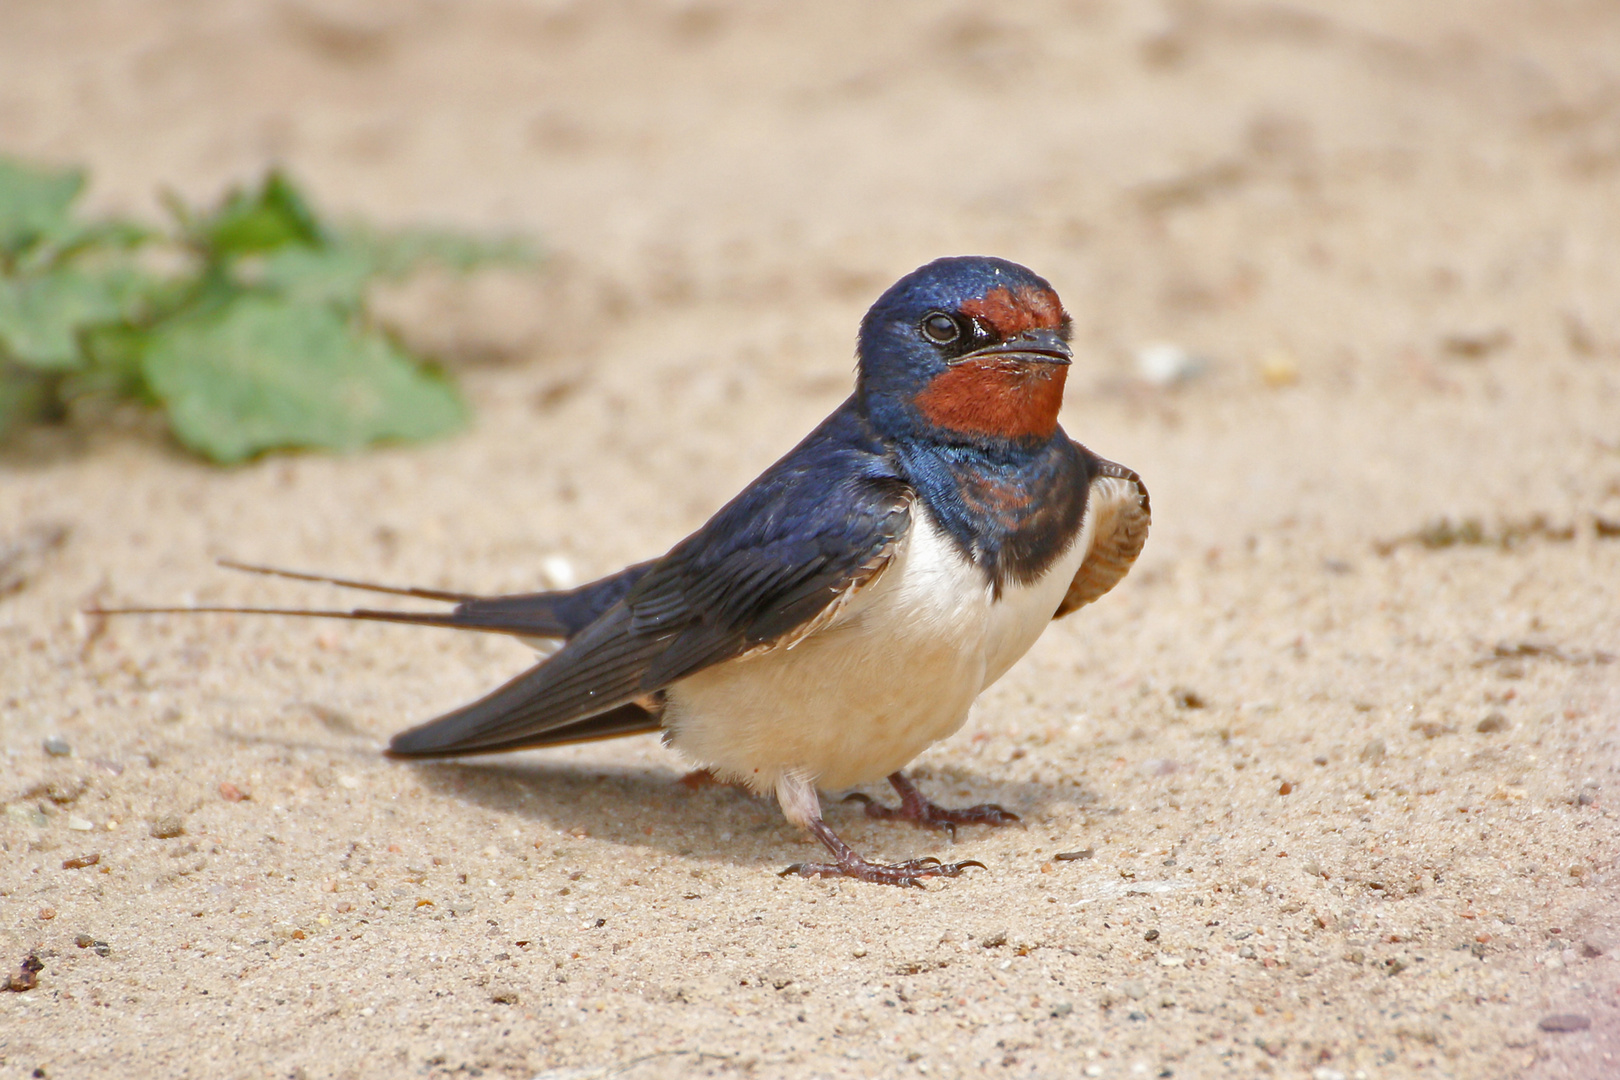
(1373, 752)
(47, 913)
(1164, 364)
(1278, 368)
(167, 828)
(230, 792)
(85, 941)
(56, 746)
(79, 862)
(1071, 856)
(557, 572)
(1187, 698)
(79, 824)
(1565, 1022)
(1151, 935)
(27, 976)
(1475, 344)
(1493, 722)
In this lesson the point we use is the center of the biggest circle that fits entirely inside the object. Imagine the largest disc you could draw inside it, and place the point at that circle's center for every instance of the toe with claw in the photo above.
(916, 808)
(909, 874)
(802, 806)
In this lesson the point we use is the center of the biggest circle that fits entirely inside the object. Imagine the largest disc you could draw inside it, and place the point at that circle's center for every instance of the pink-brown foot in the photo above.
(908, 874)
(914, 807)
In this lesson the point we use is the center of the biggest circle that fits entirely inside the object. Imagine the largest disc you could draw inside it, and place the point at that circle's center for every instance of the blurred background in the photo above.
(1390, 204)
(1376, 190)
(1384, 202)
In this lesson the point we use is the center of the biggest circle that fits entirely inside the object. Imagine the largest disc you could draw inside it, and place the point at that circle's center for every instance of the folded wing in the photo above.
(1119, 502)
(819, 523)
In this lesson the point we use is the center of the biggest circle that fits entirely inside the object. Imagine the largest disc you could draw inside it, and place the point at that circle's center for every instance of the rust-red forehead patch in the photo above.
(1012, 311)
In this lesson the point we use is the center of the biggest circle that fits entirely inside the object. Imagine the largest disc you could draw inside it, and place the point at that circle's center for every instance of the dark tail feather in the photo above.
(453, 620)
(540, 615)
(433, 740)
(349, 583)
(563, 613)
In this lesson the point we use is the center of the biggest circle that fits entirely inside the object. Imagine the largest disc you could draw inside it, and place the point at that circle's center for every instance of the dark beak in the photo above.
(1030, 347)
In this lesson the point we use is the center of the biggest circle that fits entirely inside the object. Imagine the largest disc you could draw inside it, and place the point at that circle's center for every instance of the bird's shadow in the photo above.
(651, 808)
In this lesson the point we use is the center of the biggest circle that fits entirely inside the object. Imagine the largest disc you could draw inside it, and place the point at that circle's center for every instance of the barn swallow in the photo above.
(843, 612)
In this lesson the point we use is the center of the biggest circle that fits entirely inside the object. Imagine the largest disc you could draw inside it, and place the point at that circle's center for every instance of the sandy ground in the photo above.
(1350, 800)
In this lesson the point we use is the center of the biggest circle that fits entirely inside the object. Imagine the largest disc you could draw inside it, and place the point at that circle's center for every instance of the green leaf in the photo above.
(265, 373)
(339, 271)
(336, 274)
(395, 254)
(24, 396)
(41, 316)
(101, 236)
(250, 222)
(35, 205)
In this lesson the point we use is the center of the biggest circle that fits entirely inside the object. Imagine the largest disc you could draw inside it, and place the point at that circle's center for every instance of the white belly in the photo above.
(897, 671)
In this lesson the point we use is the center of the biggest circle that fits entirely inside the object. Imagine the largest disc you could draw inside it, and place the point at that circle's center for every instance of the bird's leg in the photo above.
(803, 807)
(915, 807)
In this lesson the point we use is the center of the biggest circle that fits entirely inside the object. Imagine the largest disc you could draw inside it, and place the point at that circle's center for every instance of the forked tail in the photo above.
(558, 615)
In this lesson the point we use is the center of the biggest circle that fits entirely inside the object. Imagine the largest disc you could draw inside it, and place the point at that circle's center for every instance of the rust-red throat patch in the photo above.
(996, 396)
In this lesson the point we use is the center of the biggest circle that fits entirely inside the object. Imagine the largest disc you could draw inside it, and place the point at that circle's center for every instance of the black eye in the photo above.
(940, 328)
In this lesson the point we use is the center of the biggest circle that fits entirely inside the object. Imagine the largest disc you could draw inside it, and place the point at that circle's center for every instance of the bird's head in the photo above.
(969, 350)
